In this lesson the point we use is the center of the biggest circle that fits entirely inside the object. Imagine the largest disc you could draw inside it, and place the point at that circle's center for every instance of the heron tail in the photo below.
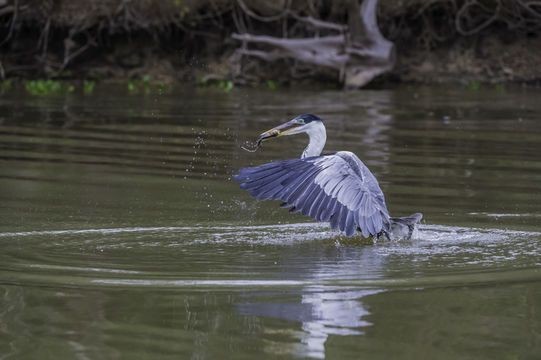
(402, 227)
(408, 220)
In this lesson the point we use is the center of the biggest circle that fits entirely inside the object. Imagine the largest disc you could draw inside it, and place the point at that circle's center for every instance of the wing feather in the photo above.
(324, 204)
(254, 173)
(308, 197)
(329, 211)
(255, 183)
(350, 224)
(291, 194)
(377, 222)
(342, 214)
(269, 190)
(370, 225)
(314, 206)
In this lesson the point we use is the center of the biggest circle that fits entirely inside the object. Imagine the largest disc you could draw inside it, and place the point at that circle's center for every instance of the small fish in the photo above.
(257, 146)
(262, 137)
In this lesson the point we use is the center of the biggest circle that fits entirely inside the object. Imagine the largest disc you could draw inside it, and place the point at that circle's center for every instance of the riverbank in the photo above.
(191, 41)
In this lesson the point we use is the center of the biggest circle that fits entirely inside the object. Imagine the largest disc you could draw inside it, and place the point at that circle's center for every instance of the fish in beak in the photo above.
(289, 128)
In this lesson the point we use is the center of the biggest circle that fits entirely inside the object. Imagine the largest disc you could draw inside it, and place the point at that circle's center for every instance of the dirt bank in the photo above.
(190, 40)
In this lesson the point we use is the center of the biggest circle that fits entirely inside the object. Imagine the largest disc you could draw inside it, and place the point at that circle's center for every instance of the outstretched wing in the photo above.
(338, 188)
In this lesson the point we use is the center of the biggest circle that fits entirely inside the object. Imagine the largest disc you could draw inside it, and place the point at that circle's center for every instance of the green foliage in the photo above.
(132, 86)
(183, 9)
(48, 87)
(146, 82)
(88, 87)
(201, 81)
(146, 86)
(162, 88)
(474, 85)
(271, 85)
(226, 85)
(336, 86)
(499, 88)
(5, 85)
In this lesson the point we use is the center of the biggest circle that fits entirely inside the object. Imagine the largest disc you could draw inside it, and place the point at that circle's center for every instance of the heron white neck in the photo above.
(318, 136)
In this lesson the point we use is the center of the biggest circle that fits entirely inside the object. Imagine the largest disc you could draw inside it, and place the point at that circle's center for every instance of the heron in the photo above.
(334, 187)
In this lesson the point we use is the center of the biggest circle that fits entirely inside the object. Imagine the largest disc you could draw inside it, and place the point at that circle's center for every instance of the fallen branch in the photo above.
(316, 51)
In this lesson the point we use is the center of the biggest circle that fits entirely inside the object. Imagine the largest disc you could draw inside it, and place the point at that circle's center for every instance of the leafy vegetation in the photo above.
(138, 86)
(499, 88)
(225, 85)
(474, 85)
(5, 85)
(88, 87)
(48, 87)
(162, 88)
(146, 86)
(271, 85)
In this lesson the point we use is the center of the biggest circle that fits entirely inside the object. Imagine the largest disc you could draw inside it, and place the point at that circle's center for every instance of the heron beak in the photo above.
(280, 130)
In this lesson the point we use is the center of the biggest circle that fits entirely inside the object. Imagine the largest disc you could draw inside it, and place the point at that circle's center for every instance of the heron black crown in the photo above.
(308, 118)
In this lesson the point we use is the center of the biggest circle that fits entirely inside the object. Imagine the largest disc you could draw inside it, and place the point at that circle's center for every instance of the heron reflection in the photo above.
(335, 187)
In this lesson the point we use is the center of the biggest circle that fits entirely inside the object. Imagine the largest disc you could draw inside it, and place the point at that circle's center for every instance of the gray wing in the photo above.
(338, 188)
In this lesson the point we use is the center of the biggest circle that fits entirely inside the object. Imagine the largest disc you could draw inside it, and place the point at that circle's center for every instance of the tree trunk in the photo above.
(371, 53)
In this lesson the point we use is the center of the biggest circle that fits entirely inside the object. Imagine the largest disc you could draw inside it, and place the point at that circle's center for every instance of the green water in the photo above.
(123, 236)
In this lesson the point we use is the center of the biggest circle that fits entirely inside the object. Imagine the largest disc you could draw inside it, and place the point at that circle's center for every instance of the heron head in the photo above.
(300, 124)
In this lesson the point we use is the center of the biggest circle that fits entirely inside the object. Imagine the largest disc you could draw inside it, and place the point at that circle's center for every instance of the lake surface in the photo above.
(122, 234)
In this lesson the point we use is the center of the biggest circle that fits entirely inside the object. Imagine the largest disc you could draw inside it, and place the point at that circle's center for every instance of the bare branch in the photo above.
(319, 24)
(90, 41)
(6, 10)
(263, 18)
(13, 21)
(264, 55)
(528, 7)
(461, 14)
